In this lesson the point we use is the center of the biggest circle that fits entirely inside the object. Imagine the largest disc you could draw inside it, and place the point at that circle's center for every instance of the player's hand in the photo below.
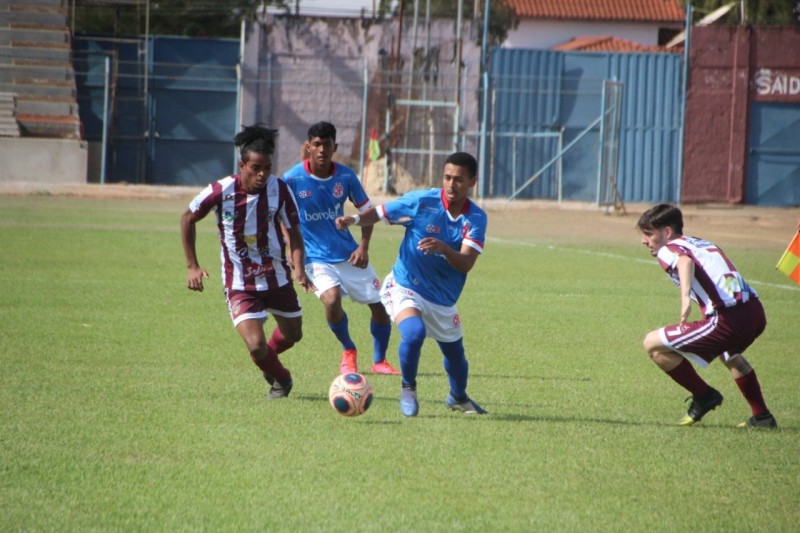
(686, 308)
(344, 222)
(359, 258)
(194, 279)
(304, 281)
(429, 245)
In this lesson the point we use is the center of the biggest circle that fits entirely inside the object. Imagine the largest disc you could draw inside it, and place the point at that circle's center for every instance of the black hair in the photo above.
(463, 159)
(662, 216)
(256, 138)
(323, 130)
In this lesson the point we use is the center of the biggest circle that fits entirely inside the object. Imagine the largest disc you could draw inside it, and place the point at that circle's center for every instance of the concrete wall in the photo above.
(30, 160)
(725, 63)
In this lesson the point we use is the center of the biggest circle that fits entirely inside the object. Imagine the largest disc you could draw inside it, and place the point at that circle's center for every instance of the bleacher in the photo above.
(37, 79)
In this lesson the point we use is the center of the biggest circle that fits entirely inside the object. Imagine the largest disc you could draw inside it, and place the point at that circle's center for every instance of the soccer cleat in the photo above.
(700, 406)
(762, 421)
(384, 368)
(349, 362)
(409, 405)
(280, 390)
(466, 406)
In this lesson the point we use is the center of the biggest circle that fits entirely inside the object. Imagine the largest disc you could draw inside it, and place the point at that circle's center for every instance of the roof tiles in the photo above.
(628, 10)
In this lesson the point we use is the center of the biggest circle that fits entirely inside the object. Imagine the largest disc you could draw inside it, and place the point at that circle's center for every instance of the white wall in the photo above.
(548, 33)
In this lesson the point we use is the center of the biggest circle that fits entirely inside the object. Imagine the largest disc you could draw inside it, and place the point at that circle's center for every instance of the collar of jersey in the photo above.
(307, 167)
(464, 209)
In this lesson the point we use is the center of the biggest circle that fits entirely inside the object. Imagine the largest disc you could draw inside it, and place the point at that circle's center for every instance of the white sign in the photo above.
(776, 84)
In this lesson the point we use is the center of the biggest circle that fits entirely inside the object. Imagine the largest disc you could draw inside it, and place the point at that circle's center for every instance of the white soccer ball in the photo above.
(350, 394)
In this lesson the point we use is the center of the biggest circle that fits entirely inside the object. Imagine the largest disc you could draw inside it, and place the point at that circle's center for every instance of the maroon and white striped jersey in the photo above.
(716, 284)
(253, 252)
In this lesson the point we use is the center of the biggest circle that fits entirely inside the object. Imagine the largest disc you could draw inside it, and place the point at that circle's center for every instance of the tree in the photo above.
(756, 11)
(191, 18)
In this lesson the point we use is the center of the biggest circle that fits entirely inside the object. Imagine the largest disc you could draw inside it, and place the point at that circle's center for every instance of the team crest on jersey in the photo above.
(465, 230)
(338, 190)
(431, 228)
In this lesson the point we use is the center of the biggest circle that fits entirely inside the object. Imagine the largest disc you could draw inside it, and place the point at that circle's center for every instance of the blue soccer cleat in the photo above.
(466, 406)
(409, 405)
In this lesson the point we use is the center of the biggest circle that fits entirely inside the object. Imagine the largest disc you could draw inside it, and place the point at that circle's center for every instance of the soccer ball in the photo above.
(350, 394)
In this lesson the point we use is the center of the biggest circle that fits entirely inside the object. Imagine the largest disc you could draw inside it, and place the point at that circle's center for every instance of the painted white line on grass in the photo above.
(625, 257)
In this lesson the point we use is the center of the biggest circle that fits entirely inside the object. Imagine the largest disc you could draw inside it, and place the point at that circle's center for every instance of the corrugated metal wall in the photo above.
(536, 91)
(172, 126)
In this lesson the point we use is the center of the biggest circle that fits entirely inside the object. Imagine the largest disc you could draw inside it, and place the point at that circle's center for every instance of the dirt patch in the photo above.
(536, 220)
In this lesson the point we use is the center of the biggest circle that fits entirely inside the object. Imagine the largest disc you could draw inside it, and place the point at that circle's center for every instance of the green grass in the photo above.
(129, 403)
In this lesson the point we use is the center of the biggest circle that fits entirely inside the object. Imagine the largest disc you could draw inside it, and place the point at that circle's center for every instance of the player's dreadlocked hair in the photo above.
(255, 138)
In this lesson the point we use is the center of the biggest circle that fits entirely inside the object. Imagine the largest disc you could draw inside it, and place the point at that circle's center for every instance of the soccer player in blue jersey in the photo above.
(335, 263)
(444, 235)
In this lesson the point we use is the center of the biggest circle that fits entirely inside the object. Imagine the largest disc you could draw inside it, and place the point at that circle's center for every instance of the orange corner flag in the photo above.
(789, 263)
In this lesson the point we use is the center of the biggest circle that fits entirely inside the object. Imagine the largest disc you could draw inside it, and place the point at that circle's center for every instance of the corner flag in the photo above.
(789, 263)
(374, 150)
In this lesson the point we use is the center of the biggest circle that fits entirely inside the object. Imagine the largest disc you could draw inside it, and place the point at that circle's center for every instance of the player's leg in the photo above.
(327, 280)
(660, 346)
(362, 286)
(746, 379)
(380, 327)
(412, 337)
(264, 357)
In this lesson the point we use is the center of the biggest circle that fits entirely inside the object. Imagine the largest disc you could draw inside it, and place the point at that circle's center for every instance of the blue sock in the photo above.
(342, 332)
(457, 367)
(412, 335)
(380, 340)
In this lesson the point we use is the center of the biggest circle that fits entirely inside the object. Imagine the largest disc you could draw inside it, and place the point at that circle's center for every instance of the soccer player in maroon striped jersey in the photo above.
(250, 208)
(733, 317)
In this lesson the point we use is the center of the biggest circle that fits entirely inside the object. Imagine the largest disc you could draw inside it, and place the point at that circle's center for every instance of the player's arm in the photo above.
(297, 251)
(368, 217)
(195, 274)
(685, 276)
(462, 260)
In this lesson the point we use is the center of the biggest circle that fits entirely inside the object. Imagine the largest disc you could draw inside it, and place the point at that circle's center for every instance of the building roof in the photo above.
(617, 10)
(607, 43)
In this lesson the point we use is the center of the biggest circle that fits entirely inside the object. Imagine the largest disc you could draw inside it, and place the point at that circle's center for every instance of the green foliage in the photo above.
(190, 18)
(129, 402)
(756, 11)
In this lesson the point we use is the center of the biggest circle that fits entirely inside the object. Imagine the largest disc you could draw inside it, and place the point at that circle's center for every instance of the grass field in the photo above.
(129, 403)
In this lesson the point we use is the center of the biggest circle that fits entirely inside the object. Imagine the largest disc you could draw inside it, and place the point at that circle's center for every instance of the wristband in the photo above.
(356, 219)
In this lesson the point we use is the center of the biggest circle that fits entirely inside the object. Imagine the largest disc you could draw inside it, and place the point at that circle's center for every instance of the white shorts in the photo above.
(442, 322)
(360, 284)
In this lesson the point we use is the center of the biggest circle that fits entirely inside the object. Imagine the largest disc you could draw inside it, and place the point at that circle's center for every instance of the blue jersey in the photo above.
(424, 214)
(320, 201)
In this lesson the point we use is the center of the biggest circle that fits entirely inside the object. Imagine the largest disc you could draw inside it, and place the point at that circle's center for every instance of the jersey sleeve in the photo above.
(668, 255)
(288, 211)
(206, 200)
(401, 211)
(358, 196)
(475, 232)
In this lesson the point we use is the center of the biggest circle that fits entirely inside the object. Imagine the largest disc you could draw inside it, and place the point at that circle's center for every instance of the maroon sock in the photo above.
(687, 377)
(278, 342)
(751, 390)
(272, 365)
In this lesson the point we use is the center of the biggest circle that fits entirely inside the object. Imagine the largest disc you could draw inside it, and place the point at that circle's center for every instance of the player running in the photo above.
(733, 317)
(444, 235)
(336, 264)
(250, 208)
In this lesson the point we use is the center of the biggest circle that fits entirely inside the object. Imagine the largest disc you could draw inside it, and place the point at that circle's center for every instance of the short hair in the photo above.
(662, 216)
(463, 159)
(323, 130)
(256, 138)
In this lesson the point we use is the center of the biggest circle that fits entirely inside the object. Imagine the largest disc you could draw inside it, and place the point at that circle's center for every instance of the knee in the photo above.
(412, 330)
(293, 336)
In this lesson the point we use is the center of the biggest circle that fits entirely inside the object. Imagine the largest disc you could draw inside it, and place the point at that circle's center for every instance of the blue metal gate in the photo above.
(773, 169)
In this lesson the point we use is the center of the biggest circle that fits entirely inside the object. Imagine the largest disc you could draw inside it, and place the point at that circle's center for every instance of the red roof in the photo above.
(628, 10)
(607, 43)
